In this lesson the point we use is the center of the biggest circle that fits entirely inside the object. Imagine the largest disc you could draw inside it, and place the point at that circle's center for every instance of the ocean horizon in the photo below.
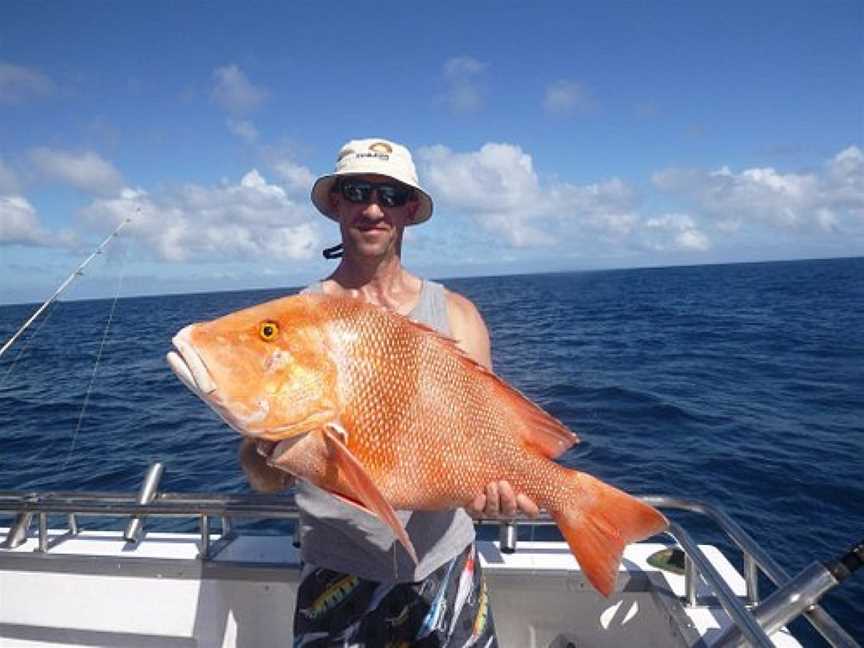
(442, 278)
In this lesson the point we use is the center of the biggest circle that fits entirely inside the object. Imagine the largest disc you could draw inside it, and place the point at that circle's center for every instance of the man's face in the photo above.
(370, 229)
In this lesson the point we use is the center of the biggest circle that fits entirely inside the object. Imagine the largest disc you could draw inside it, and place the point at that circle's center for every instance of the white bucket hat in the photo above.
(375, 155)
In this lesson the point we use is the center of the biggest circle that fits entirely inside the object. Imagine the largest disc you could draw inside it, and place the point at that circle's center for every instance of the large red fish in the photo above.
(388, 414)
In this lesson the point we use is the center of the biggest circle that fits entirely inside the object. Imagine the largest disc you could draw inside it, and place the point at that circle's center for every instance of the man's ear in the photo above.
(413, 206)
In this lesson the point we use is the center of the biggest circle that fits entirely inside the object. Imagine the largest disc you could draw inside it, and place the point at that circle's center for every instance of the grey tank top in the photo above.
(338, 536)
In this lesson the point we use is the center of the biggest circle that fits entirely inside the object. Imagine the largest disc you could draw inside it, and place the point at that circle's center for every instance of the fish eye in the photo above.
(268, 331)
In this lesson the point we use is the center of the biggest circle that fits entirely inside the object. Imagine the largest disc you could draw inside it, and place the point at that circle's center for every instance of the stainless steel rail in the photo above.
(207, 506)
(755, 559)
(749, 626)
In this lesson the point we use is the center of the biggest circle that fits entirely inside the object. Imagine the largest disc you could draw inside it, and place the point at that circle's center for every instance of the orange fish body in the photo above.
(388, 414)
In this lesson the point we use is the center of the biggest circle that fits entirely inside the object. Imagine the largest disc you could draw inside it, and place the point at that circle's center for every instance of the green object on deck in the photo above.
(671, 560)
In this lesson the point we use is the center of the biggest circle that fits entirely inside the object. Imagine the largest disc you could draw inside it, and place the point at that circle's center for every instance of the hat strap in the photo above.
(333, 252)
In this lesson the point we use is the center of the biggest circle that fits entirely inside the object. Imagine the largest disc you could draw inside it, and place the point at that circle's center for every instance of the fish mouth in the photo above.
(188, 365)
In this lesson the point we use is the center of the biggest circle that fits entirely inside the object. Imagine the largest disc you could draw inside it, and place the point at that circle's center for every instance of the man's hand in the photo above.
(499, 501)
(262, 478)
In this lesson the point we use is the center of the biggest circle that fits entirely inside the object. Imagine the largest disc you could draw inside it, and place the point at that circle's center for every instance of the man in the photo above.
(356, 587)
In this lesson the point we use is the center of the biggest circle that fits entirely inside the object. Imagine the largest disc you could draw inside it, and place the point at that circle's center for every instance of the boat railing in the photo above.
(207, 507)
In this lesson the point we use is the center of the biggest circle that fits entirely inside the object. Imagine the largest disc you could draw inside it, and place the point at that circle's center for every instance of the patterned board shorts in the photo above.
(449, 608)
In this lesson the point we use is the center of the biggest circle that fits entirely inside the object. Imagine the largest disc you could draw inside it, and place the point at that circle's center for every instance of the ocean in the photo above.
(739, 385)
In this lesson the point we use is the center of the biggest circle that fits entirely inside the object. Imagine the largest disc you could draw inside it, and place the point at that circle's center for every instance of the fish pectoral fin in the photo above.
(362, 486)
(351, 502)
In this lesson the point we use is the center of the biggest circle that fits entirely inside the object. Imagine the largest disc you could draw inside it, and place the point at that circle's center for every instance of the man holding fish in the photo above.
(373, 195)
(375, 388)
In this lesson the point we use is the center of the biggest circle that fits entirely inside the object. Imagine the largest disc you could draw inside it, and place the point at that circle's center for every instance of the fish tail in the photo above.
(599, 522)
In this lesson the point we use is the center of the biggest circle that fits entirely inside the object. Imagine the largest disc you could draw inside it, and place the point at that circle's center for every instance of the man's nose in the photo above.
(373, 209)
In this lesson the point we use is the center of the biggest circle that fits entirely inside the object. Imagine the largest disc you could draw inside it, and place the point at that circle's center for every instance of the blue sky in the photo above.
(553, 137)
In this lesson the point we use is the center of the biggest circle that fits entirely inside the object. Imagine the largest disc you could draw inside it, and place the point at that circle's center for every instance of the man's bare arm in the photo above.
(469, 330)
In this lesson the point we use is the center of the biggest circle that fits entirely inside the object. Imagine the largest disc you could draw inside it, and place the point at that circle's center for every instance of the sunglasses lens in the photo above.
(356, 192)
(388, 195)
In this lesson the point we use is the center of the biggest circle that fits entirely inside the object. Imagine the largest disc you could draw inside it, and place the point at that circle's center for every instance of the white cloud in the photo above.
(824, 199)
(495, 178)
(19, 223)
(233, 91)
(298, 179)
(244, 129)
(567, 97)
(461, 75)
(606, 207)
(19, 83)
(86, 171)
(244, 221)
(675, 232)
(842, 187)
(498, 187)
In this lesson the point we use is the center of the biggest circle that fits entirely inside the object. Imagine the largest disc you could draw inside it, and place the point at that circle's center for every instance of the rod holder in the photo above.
(691, 579)
(17, 534)
(751, 578)
(204, 526)
(43, 532)
(785, 604)
(145, 496)
(295, 538)
(227, 525)
(507, 537)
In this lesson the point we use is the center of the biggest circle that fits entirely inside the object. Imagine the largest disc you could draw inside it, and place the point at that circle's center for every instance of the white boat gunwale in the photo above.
(209, 563)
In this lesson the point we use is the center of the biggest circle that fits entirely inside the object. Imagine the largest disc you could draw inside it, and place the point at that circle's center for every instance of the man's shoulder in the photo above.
(314, 288)
(468, 328)
(463, 314)
(460, 304)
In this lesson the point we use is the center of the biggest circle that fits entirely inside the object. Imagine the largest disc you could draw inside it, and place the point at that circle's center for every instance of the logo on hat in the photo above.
(381, 147)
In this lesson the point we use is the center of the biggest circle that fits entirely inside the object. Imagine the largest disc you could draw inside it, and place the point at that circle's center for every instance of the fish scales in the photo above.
(404, 396)
(387, 413)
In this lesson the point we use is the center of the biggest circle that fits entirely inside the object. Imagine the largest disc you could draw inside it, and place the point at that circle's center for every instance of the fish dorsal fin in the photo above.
(362, 486)
(546, 434)
(541, 431)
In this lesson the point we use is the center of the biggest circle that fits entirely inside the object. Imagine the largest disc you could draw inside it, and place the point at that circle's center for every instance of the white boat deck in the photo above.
(97, 589)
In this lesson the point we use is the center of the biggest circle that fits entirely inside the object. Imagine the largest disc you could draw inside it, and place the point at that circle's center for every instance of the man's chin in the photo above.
(372, 248)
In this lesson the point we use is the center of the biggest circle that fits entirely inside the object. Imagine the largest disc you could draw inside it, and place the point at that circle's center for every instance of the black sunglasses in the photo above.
(389, 194)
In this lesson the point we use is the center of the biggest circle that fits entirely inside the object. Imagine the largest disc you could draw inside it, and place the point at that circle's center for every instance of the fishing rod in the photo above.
(79, 271)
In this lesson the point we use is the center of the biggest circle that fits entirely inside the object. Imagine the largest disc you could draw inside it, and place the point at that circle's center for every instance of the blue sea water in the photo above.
(740, 385)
